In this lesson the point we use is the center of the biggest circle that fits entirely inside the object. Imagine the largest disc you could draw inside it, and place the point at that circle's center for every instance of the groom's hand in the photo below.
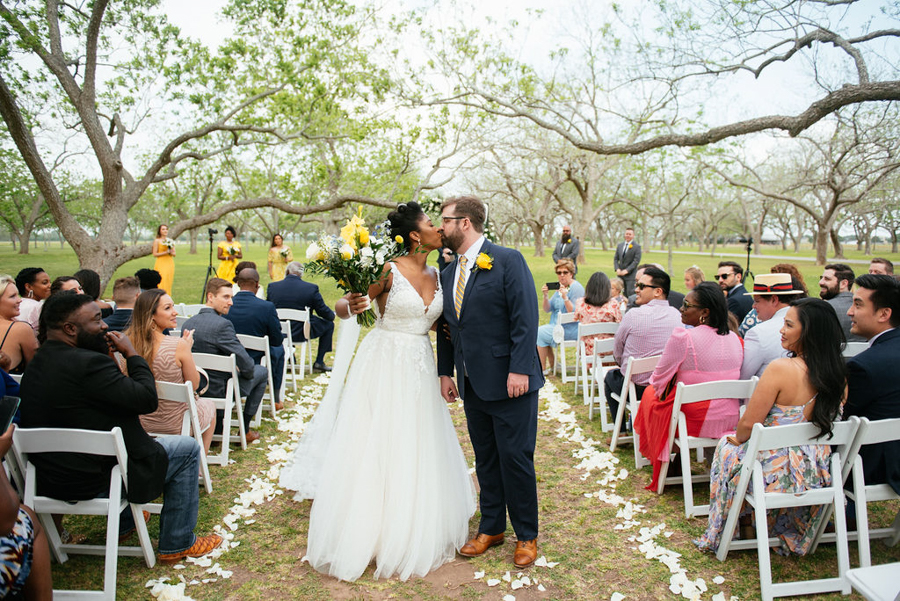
(448, 389)
(516, 385)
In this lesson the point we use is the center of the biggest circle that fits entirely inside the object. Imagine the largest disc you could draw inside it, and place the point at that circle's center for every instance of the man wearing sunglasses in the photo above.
(730, 278)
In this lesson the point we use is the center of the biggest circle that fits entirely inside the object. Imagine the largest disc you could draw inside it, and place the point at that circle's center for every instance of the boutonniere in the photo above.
(568, 241)
(629, 246)
(484, 262)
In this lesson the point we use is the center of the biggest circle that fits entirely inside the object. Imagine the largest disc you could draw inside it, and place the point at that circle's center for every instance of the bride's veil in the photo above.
(301, 473)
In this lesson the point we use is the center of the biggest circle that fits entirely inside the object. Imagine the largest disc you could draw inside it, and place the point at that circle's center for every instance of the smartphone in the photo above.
(552, 285)
(8, 407)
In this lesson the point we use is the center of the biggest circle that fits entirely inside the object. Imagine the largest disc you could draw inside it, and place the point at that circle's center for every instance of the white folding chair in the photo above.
(854, 348)
(685, 394)
(779, 437)
(595, 396)
(91, 442)
(629, 397)
(261, 344)
(560, 357)
(583, 361)
(188, 310)
(180, 321)
(303, 345)
(228, 403)
(190, 424)
(288, 344)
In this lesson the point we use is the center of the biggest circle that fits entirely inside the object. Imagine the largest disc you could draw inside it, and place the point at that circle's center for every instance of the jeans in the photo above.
(181, 496)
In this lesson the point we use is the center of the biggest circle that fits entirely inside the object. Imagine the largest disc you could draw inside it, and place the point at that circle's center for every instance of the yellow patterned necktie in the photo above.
(460, 285)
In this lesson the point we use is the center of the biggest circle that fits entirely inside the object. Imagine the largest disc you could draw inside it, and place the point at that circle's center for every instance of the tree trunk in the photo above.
(24, 241)
(895, 242)
(12, 238)
(836, 243)
(192, 236)
(821, 245)
(538, 232)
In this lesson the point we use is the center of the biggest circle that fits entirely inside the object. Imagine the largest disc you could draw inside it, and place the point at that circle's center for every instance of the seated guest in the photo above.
(644, 331)
(34, 288)
(562, 301)
(256, 317)
(293, 293)
(17, 340)
(730, 278)
(751, 320)
(880, 266)
(24, 552)
(693, 275)
(90, 283)
(597, 306)
(706, 352)
(873, 378)
(772, 294)
(835, 288)
(170, 360)
(73, 382)
(807, 386)
(125, 293)
(149, 278)
(237, 269)
(617, 287)
(66, 283)
(213, 334)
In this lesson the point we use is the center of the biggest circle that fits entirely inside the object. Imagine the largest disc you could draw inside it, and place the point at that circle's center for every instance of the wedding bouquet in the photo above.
(169, 243)
(355, 259)
(286, 252)
(231, 250)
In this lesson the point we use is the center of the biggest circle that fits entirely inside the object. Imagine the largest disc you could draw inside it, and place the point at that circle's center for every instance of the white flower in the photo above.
(347, 251)
(312, 252)
(365, 251)
(379, 258)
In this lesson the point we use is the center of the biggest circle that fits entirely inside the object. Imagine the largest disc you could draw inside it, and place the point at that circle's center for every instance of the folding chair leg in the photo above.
(862, 518)
(762, 536)
(895, 537)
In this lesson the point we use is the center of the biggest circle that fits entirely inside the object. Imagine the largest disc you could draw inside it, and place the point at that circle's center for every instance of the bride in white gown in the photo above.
(389, 478)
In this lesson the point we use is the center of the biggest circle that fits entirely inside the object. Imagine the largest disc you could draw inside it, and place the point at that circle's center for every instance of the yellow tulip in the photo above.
(363, 236)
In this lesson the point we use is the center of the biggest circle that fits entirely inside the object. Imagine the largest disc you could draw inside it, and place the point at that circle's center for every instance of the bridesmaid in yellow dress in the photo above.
(164, 251)
(229, 253)
(279, 256)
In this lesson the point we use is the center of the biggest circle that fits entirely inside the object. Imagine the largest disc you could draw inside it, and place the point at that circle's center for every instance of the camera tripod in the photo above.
(747, 273)
(210, 270)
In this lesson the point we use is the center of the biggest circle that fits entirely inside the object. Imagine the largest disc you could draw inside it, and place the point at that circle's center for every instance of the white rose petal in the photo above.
(718, 579)
(479, 575)
(541, 588)
(506, 577)
(516, 585)
(509, 598)
(617, 597)
(493, 582)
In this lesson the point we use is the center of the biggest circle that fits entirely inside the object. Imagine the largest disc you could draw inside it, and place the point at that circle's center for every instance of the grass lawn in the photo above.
(578, 526)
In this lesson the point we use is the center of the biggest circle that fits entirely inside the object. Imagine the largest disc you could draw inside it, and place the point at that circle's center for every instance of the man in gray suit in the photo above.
(213, 334)
(835, 287)
(567, 247)
(627, 259)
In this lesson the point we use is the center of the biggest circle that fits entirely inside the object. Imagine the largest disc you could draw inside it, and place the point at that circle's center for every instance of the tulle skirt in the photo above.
(394, 485)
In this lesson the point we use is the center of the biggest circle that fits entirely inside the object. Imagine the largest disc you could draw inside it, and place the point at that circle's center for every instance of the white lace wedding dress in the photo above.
(393, 484)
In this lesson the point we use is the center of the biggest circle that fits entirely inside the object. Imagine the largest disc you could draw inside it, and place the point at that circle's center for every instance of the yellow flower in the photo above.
(398, 238)
(353, 228)
(347, 252)
(363, 236)
(484, 261)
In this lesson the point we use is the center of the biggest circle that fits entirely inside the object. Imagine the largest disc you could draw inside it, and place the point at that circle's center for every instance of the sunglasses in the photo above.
(687, 305)
(723, 276)
(562, 272)
(641, 286)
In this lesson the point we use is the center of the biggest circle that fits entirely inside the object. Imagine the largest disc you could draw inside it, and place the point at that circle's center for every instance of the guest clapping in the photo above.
(562, 301)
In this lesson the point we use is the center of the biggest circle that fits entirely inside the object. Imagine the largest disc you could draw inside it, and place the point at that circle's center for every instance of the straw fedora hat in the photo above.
(773, 283)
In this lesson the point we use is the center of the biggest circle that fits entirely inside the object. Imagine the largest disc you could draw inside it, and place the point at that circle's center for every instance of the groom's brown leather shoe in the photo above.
(526, 553)
(480, 544)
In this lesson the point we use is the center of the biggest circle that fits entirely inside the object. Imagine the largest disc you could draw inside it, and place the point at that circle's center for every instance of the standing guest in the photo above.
(164, 251)
(835, 288)
(18, 342)
(66, 283)
(229, 251)
(34, 288)
(729, 277)
(750, 320)
(693, 275)
(807, 386)
(237, 269)
(643, 333)
(567, 248)
(279, 256)
(90, 284)
(597, 306)
(626, 259)
(125, 293)
(170, 360)
(706, 352)
(256, 317)
(873, 380)
(880, 266)
(772, 295)
(149, 278)
(562, 301)
(73, 382)
(215, 335)
(293, 293)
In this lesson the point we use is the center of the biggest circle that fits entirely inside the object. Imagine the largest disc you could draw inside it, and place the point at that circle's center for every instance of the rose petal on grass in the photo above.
(718, 579)
(506, 577)
(617, 597)
(493, 582)
(479, 575)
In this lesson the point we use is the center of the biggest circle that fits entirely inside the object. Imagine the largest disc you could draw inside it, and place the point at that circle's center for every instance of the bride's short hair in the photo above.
(405, 220)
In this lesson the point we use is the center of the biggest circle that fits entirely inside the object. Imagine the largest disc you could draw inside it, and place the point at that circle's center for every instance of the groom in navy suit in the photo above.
(491, 317)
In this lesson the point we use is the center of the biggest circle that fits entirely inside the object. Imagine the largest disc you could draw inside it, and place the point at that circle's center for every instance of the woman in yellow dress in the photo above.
(279, 256)
(164, 251)
(229, 254)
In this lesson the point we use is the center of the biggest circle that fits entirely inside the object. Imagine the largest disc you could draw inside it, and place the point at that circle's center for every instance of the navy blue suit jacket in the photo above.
(496, 332)
(293, 293)
(873, 383)
(738, 302)
(119, 320)
(256, 317)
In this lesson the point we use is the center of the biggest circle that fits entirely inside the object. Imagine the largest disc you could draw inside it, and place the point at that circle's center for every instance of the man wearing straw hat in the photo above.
(772, 293)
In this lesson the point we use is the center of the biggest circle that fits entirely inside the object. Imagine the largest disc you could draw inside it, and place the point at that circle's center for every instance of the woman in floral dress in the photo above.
(597, 306)
(807, 386)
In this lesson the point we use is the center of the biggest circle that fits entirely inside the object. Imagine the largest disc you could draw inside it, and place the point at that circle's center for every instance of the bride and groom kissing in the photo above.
(395, 485)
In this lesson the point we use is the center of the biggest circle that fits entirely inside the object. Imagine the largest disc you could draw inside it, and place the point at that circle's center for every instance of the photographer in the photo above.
(568, 290)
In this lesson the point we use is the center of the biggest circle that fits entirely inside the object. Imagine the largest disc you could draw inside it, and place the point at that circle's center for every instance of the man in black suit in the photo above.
(626, 260)
(873, 380)
(73, 382)
(293, 293)
(125, 294)
(730, 279)
(256, 317)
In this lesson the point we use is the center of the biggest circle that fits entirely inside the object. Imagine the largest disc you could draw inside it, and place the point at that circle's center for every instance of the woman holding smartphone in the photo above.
(563, 301)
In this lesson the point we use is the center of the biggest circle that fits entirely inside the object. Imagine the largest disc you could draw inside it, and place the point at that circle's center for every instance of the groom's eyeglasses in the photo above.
(446, 219)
